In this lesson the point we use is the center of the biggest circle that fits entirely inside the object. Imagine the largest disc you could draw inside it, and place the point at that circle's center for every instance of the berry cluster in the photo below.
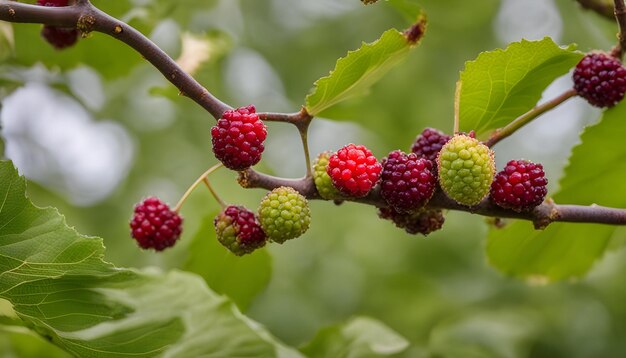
(283, 214)
(58, 37)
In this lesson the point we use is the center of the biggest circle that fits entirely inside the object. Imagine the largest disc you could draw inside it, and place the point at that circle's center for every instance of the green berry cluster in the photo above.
(284, 214)
(466, 169)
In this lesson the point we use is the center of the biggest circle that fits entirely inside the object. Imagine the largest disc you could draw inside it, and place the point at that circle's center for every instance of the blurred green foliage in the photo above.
(438, 292)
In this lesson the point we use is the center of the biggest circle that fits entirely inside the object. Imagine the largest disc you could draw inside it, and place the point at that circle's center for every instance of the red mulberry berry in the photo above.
(238, 230)
(520, 186)
(600, 79)
(421, 222)
(354, 170)
(428, 144)
(238, 138)
(407, 181)
(154, 225)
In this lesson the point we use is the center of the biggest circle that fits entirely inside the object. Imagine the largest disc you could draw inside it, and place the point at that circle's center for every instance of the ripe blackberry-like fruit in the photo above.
(420, 222)
(154, 225)
(407, 181)
(600, 79)
(354, 170)
(429, 143)
(58, 37)
(323, 182)
(238, 138)
(520, 186)
(466, 169)
(238, 230)
(284, 214)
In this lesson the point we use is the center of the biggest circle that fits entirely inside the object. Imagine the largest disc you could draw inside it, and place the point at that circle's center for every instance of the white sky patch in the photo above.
(528, 19)
(53, 140)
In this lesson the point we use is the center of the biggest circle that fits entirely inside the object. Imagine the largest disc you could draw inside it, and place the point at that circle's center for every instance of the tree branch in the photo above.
(599, 7)
(87, 18)
(541, 216)
(620, 16)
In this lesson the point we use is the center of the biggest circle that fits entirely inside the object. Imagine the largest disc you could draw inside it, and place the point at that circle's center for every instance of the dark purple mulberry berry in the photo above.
(428, 144)
(407, 181)
(421, 222)
(600, 79)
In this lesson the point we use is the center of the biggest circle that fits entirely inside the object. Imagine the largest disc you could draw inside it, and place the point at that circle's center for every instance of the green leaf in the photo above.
(240, 278)
(19, 341)
(60, 286)
(358, 71)
(566, 250)
(359, 337)
(501, 85)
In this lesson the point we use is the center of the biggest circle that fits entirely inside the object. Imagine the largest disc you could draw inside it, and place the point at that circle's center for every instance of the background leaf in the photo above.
(359, 337)
(501, 85)
(240, 278)
(358, 71)
(569, 250)
(58, 283)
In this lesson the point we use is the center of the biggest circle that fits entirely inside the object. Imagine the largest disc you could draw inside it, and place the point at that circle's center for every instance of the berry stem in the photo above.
(524, 119)
(214, 193)
(620, 16)
(304, 130)
(195, 185)
(599, 7)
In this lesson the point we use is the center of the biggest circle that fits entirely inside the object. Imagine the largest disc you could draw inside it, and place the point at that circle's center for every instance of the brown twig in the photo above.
(599, 7)
(541, 216)
(84, 16)
(87, 18)
(620, 17)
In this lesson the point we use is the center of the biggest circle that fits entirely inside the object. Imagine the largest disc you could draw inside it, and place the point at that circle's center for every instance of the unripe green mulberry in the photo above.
(284, 214)
(466, 169)
(323, 182)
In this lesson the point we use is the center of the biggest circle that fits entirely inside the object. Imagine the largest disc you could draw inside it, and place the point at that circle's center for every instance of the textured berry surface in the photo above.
(55, 3)
(428, 143)
(407, 181)
(466, 169)
(59, 37)
(322, 180)
(520, 186)
(238, 230)
(154, 225)
(421, 222)
(354, 170)
(238, 138)
(600, 79)
(284, 214)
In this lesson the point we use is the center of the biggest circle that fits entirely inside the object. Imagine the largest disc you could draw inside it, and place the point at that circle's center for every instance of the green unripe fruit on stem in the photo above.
(284, 214)
(323, 182)
(466, 169)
